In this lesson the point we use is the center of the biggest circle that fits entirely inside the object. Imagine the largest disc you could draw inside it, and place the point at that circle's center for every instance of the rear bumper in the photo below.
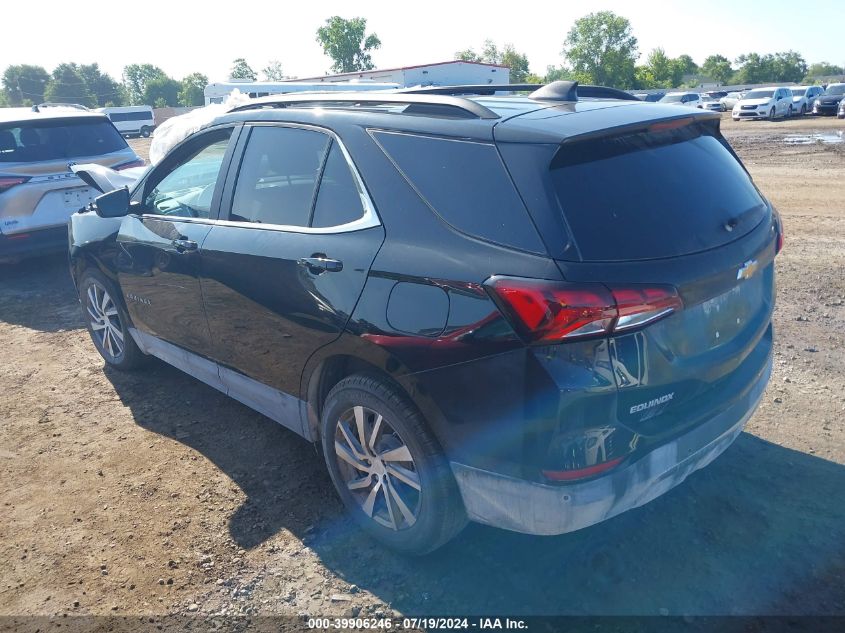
(535, 508)
(33, 243)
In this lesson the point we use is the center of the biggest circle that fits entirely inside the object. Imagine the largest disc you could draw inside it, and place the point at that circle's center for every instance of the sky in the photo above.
(180, 37)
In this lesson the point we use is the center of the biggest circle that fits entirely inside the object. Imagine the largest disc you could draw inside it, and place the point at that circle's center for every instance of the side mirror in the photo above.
(114, 204)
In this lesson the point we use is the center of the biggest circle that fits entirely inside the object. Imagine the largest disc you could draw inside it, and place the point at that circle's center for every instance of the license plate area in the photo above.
(75, 199)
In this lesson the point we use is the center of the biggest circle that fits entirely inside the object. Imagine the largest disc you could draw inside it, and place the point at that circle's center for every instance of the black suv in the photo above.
(534, 311)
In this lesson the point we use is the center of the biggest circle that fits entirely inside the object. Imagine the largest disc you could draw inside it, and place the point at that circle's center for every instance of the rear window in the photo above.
(58, 139)
(647, 196)
(466, 184)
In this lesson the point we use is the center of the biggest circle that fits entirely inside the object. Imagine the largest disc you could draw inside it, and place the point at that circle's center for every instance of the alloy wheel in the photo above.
(377, 468)
(105, 321)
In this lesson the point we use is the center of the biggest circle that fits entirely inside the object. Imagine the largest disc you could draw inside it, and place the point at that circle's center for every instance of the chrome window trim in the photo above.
(368, 220)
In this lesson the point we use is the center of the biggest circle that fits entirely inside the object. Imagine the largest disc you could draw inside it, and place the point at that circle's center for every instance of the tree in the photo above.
(162, 90)
(346, 42)
(135, 79)
(558, 73)
(242, 70)
(467, 55)
(192, 91)
(101, 85)
(67, 85)
(786, 66)
(507, 56)
(685, 66)
(602, 50)
(661, 71)
(824, 69)
(24, 84)
(718, 68)
(273, 71)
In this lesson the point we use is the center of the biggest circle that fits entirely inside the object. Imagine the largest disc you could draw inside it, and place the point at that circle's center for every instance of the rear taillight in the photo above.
(581, 473)
(132, 163)
(7, 182)
(549, 311)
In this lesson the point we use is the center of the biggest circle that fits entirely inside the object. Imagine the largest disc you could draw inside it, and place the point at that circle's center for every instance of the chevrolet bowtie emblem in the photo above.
(747, 269)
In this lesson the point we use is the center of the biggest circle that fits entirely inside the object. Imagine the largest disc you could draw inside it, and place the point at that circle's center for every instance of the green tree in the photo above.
(347, 44)
(192, 90)
(718, 68)
(661, 70)
(824, 69)
(242, 70)
(558, 73)
(162, 90)
(104, 88)
(507, 56)
(135, 79)
(602, 50)
(273, 71)
(67, 85)
(685, 66)
(788, 66)
(24, 84)
(467, 55)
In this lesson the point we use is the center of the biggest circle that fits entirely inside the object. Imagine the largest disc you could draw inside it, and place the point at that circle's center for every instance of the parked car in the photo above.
(537, 329)
(710, 103)
(730, 100)
(828, 101)
(132, 120)
(803, 98)
(650, 97)
(691, 99)
(715, 94)
(764, 103)
(38, 190)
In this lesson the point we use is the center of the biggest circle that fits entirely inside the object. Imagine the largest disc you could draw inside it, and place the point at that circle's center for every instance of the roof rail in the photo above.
(48, 104)
(554, 91)
(431, 105)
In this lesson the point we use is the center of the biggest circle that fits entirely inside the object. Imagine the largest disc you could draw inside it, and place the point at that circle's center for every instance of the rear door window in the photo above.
(58, 139)
(339, 199)
(466, 184)
(277, 181)
(653, 195)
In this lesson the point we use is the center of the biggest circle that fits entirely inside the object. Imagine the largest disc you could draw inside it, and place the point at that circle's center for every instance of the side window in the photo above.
(339, 199)
(466, 185)
(278, 176)
(187, 188)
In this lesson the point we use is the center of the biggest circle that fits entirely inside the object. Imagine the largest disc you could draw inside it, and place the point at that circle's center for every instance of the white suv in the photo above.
(803, 97)
(690, 99)
(764, 103)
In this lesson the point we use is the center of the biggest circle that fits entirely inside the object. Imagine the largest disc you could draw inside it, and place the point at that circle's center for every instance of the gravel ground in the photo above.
(152, 494)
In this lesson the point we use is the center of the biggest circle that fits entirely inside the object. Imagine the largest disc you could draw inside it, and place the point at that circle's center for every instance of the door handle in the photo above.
(319, 263)
(184, 245)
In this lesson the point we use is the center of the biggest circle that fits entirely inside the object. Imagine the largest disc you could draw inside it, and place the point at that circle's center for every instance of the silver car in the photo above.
(38, 189)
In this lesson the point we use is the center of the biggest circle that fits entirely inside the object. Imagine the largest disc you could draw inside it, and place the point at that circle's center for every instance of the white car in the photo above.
(690, 99)
(709, 103)
(730, 100)
(803, 97)
(764, 103)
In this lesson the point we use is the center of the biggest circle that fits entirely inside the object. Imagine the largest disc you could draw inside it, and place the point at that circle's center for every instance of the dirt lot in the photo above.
(152, 494)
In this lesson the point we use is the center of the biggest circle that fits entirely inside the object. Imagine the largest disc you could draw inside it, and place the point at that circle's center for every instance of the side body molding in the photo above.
(281, 407)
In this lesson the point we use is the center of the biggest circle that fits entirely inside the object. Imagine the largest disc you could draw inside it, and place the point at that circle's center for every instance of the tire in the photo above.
(772, 114)
(425, 508)
(789, 112)
(145, 132)
(108, 323)
(803, 109)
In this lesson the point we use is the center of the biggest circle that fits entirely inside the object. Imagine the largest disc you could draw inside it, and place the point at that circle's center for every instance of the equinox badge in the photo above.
(747, 269)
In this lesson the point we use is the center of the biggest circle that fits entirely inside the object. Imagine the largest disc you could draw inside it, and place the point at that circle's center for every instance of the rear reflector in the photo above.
(550, 311)
(7, 182)
(581, 473)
